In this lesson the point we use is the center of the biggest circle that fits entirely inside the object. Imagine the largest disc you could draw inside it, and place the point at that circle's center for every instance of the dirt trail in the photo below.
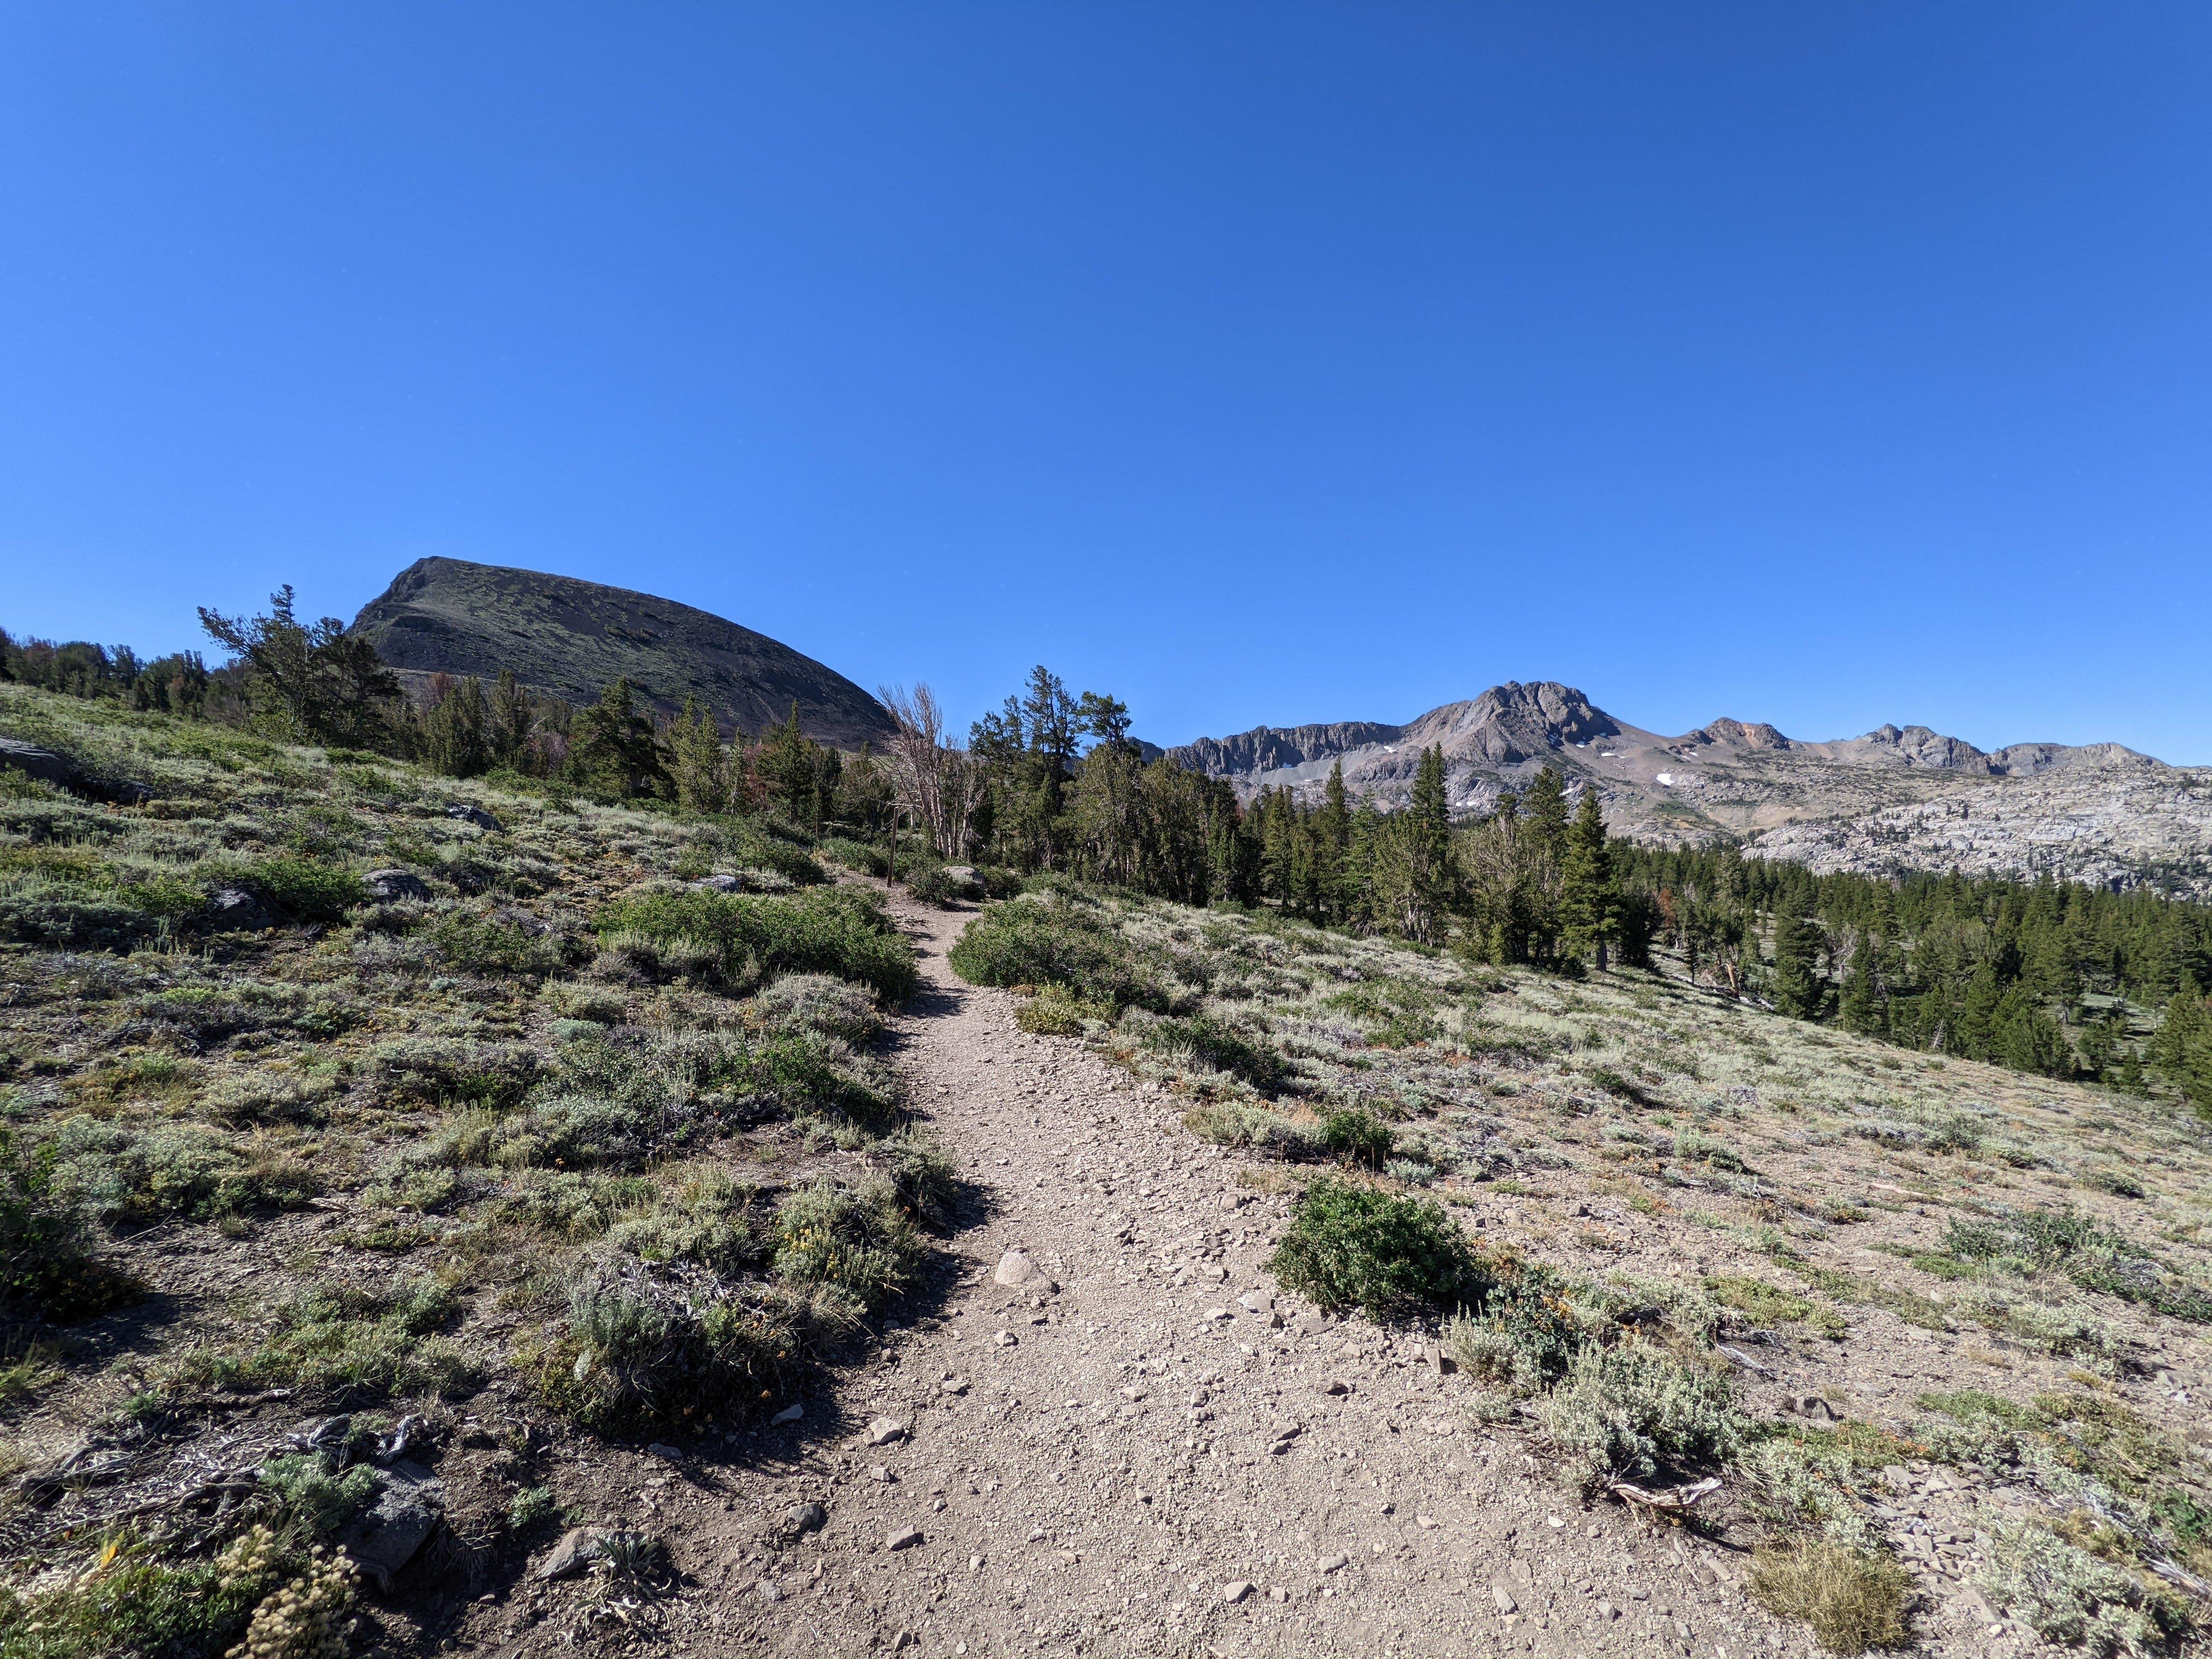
(1102, 1468)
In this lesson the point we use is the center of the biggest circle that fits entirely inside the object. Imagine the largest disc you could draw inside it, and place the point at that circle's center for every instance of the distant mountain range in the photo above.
(1898, 798)
(572, 639)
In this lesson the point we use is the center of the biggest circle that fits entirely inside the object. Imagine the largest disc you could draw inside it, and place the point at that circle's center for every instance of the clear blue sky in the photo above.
(1825, 365)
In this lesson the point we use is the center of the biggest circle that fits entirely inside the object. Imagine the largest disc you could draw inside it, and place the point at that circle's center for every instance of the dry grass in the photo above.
(1853, 1601)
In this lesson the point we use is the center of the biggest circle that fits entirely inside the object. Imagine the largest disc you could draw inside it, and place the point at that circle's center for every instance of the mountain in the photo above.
(572, 639)
(1897, 797)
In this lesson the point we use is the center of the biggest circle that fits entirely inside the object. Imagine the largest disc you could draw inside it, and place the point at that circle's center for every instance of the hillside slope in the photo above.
(572, 638)
(1893, 799)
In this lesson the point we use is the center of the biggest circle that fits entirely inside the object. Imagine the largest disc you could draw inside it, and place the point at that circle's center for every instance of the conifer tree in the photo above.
(1544, 809)
(1589, 903)
(612, 749)
(1862, 1009)
(511, 719)
(457, 730)
(701, 776)
(1799, 990)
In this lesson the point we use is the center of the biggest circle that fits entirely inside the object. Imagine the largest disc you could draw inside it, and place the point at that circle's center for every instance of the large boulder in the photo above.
(393, 1530)
(390, 886)
(461, 812)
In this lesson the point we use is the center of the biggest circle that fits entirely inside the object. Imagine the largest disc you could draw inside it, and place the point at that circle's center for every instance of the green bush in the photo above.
(718, 1222)
(2071, 1599)
(321, 1501)
(1047, 939)
(448, 1071)
(818, 1002)
(49, 1267)
(859, 1242)
(488, 947)
(302, 888)
(1354, 1136)
(574, 1204)
(1618, 1412)
(1353, 1247)
(126, 1175)
(1056, 1012)
(640, 1355)
(148, 1609)
(350, 1344)
(1217, 1045)
(835, 930)
(857, 855)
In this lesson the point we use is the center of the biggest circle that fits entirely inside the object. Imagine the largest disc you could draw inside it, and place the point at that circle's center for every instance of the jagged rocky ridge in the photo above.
(1895, 799)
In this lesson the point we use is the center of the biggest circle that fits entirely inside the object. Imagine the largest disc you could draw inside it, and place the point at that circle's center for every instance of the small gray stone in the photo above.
(665, 1453)
(1015, 1268)
(884, 1431)
(1503, 1597)
(790, 1413)
(390, 886)
(234, 909)
(386, 1537)
(905, 1539)
(577, 1548)
(719, 884)
(805, 1517)
(461, 812)
(1235, 1591)
(1332, 1563)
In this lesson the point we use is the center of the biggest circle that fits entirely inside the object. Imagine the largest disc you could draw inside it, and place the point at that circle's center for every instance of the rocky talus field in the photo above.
(447, 1218)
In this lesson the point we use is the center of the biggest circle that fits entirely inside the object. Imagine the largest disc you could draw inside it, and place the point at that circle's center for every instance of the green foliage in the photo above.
(127, 1175)
(322, 1501)
(857, 1242)
(487, 946)
(49, 1266)
(1055, 1011)
(1210, 1042)
(640, 1355)
(1768, 1305)
(1355, 1136)
(837, 930)
(2071, 1599)
(350, 1345)
(450, 1072)
(1620, 1412)
(146, 1608)
(2093, 1256)
(304, 888)
(1053, 937)
(1349, 1246)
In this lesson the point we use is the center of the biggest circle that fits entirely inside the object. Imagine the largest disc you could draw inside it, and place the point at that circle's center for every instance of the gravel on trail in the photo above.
(1113, 1435)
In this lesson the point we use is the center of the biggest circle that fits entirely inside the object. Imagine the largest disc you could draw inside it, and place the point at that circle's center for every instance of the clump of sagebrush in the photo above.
(1212, 1043)
(349, 1345)
(1350, 1246)
(820, 1002)
(2071, 1599)
(857, 1242)
(1854, 1599)
(1055, 937)
(127, 1175)
(641, 1350)
(50, 1267)
(1055, 1011)
(2096, 1257)
(739, 939)
(1621, 1412)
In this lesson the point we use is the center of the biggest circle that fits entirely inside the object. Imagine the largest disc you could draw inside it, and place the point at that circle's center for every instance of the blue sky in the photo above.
(1258, 363)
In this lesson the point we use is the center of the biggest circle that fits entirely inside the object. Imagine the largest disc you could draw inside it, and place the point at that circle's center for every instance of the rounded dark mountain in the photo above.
(572, 639)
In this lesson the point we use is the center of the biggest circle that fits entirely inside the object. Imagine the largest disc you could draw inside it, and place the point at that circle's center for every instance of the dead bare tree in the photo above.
(936, 782)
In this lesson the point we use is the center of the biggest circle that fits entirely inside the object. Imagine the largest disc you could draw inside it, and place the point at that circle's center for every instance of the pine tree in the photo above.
(1799, 990)
(1863, 1010)
(701, 776)
(612, 749)
(1590, 900)
(511, 721)
(457, 732)
(1543, 811)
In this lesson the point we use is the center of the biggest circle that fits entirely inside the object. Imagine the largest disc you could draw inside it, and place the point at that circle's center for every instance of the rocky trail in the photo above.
(1111, 1435)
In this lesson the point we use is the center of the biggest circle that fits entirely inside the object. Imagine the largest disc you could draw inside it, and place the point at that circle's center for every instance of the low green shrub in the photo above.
(1048, 938)
(1215, 1045)
(857, 1242)
(139, 1605)
(819, 1002)
(49, 1266)
(1055, 1011)
(1350, 1246)
(127, 1175)
(640, 1355)
(488, 947)
(1356, 1136)
(350, 1345)
(305, 889)
(2072, 1600)
(836, 930)
(323, 1501)
(721, 1224)
(1620, 1412)
(448, 1072)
